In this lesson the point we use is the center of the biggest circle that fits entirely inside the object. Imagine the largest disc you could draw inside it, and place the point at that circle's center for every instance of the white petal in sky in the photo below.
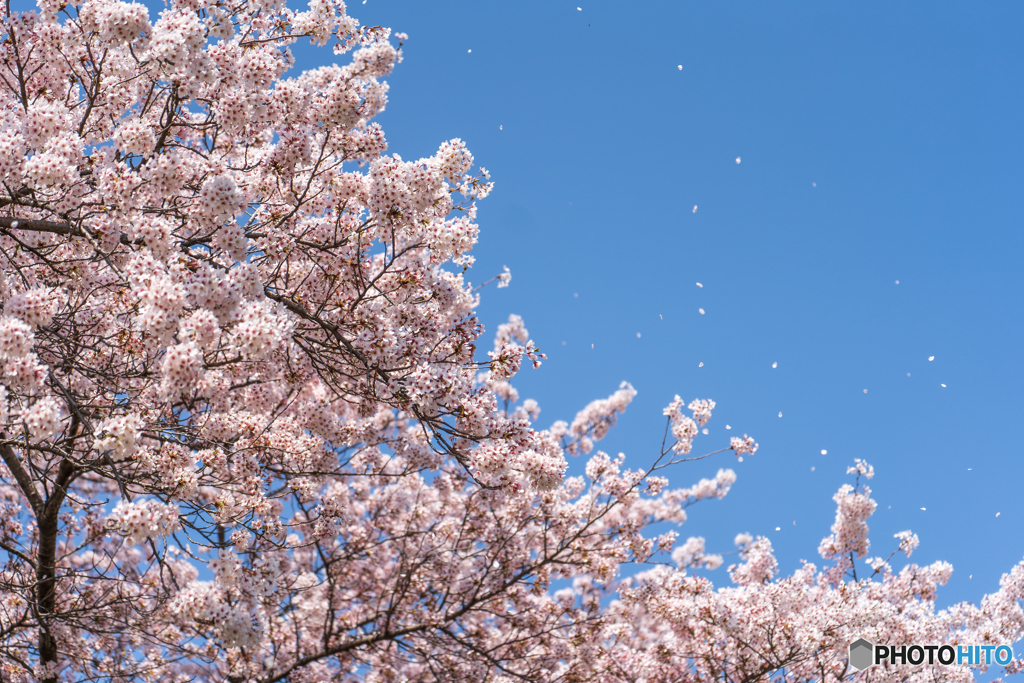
(700, 285)
(680, 67)
(943, 386)
(824, 452)
(737, 160)
(700, 364)
(931, 357)
(924, 508)
(775, 365)
(701, 311)
(695, 208)
(865, 391)
(780, 413)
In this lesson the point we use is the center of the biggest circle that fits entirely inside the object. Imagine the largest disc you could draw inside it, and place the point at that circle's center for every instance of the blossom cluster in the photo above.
(234, 624)
(22, 369)
(684, 427)
(142, 520)
(119, 436)
(593, 422)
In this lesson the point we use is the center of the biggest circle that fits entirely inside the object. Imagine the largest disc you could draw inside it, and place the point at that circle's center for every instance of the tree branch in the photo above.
(22, 477)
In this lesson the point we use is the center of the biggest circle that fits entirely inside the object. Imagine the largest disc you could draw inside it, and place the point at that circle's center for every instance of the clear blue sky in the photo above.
(908, 119)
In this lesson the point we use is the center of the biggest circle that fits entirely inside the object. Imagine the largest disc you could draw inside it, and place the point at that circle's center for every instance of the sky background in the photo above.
(879, 142)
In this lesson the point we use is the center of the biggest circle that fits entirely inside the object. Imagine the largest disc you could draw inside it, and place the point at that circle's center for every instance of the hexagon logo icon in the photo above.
(861, 654)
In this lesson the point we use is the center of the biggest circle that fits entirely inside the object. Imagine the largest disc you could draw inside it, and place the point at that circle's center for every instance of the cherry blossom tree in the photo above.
(248, 433)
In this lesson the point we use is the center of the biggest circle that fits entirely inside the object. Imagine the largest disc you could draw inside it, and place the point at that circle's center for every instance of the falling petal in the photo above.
(775, 365)
(824, 452)
(701, 311)
(931, 358)
(700, 285)
(737, 160)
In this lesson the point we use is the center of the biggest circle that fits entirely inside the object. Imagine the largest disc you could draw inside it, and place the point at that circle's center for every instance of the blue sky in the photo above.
(879, 142)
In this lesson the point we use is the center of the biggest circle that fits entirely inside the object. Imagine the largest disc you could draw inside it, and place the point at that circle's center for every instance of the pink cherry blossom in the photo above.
(251, 429)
